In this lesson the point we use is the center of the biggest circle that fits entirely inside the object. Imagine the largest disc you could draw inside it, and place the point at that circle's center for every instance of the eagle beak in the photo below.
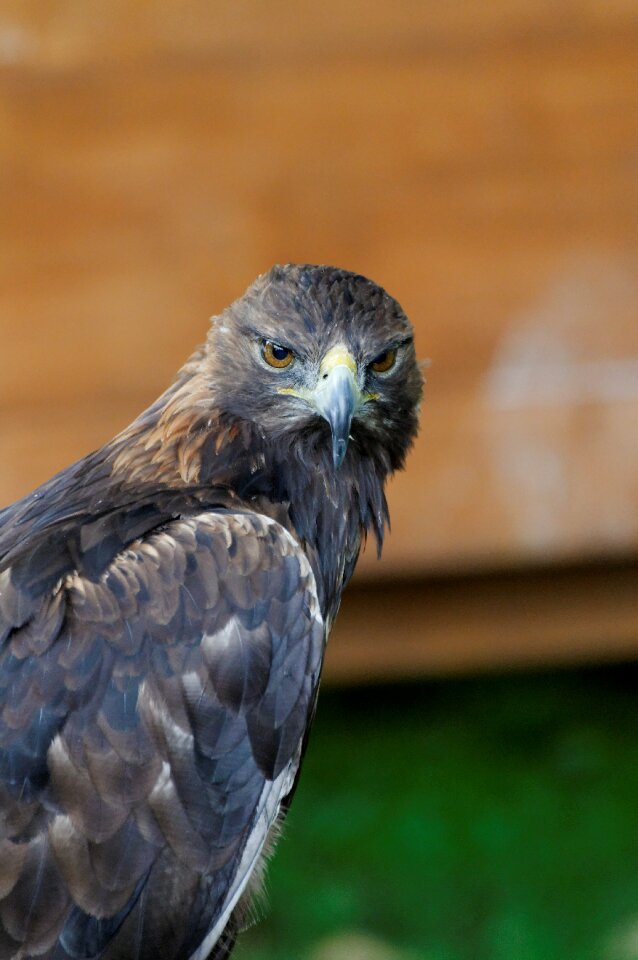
(337, 397)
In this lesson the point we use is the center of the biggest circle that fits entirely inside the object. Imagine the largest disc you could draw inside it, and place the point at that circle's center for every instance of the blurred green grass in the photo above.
(483, 819)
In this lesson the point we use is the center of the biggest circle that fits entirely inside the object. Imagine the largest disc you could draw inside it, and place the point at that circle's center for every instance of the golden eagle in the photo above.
(164, 609)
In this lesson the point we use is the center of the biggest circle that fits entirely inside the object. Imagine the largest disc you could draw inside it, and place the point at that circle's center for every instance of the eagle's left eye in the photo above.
(384, 362)
(276, 355)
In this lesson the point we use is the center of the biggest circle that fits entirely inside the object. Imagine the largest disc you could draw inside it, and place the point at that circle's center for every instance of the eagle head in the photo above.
(323, 361)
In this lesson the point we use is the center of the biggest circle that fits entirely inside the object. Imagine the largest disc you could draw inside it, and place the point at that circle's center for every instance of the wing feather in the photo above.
(151, 722)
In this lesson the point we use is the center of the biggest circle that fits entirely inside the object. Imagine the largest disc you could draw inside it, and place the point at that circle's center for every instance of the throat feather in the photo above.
(183, 441)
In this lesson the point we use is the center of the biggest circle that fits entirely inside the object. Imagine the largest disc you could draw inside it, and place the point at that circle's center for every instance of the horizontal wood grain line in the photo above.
(254, 33)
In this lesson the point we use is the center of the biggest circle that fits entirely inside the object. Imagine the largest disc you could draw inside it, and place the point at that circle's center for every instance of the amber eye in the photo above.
(384, 362)
(275, 355)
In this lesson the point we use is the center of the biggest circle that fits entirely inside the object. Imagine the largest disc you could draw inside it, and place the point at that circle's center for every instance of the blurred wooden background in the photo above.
(478, 160)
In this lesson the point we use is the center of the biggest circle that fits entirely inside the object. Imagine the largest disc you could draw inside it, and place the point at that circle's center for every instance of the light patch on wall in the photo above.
(559, 400)
(16, 43)
(577, 344)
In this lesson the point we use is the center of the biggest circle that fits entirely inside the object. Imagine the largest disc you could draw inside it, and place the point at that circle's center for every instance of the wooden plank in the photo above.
(136, 203)
(471, 624)
(74, 33)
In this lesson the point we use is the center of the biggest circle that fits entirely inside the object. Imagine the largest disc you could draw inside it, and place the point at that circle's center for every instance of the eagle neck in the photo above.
(178, 442)
(330, 511)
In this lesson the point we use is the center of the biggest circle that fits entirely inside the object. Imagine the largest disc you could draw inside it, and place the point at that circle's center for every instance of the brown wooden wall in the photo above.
(478, 160)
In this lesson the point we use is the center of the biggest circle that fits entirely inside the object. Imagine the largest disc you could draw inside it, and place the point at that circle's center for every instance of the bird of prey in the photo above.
(164, 609)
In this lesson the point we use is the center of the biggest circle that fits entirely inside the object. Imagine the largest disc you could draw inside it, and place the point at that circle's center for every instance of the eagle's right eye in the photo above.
(276, 355)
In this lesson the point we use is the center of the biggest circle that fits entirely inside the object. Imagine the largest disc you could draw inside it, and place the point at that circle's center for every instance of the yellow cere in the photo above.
(338, 356)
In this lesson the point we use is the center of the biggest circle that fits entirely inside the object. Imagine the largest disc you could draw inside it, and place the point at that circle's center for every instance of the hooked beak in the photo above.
(337, 397)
